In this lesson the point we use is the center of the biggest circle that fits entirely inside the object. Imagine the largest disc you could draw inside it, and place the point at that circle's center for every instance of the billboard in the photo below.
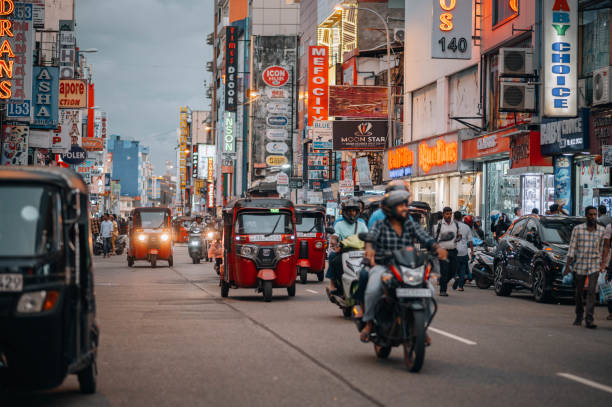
(318, 83)
(451, 36)
(17, 50)
(71, 125)
(73, 93)
(560, 57)
(231, 68)
(45, 94)
(360, 135)
(358, 101)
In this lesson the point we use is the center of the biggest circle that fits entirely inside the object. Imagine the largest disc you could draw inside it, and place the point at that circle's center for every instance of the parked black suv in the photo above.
(531, 255)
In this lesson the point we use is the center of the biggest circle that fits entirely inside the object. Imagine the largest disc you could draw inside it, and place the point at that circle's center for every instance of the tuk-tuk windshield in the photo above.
(257, 223)
(311, 223)
(151, 220)
(30, 220)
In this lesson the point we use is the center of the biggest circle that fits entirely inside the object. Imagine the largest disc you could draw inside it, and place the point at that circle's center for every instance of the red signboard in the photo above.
(92, 143)
(358, 101)
(318, 83)
(275, 76)
(525, 151)
(484, 146)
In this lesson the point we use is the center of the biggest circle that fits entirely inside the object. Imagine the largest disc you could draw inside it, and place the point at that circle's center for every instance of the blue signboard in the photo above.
(563, 184)
(565, 135)
(45, 97)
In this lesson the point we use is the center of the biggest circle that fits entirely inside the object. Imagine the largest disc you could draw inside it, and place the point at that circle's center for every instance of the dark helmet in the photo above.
(352, 203)
(392, 199)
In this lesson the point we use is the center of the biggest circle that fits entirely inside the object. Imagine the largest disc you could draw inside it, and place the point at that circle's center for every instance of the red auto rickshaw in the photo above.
(311, 241)
(259, 246)
(150, 236)
(180, 229)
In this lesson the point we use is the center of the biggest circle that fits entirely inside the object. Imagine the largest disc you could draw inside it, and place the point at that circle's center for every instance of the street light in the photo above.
(344, 6)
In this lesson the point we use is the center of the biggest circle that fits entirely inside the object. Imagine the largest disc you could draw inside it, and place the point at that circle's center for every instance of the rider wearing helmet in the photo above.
(379, 214)
(348, 226)
(197, 224)
(396, 231)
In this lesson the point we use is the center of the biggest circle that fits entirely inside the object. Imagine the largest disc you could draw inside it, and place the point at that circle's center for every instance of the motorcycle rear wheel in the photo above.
(414, 347)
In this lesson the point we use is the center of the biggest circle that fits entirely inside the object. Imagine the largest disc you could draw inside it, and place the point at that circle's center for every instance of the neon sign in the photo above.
(6, 67)
(435, 156)
(400, 157)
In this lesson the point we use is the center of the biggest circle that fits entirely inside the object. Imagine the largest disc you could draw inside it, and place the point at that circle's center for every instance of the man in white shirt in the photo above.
(462, 251)
(448, 268)
(106, 230)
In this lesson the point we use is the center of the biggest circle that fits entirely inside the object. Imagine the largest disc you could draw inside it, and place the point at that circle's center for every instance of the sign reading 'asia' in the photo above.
(560, 27)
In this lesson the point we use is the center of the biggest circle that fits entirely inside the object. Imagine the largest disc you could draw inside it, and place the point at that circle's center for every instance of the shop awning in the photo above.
(534, 170)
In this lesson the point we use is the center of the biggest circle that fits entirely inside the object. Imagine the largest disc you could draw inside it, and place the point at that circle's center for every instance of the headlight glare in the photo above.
(210, 235)
(165, 237)
(142, 238)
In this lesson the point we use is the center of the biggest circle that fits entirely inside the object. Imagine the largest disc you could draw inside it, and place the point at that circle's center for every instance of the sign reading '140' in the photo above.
(452, 29)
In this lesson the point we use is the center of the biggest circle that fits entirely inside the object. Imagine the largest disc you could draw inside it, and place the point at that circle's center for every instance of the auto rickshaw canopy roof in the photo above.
(310, 208)
(259, 203)
(60, 177)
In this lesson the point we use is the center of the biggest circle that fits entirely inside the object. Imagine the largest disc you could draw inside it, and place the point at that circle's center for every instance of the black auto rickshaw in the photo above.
(48, 323)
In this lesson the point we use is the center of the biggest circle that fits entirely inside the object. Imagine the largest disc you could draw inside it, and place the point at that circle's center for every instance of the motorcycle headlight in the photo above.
(165, 237)
(285, 250)
(142, 238)
(194, 243)
(248, 251)
(413, 276)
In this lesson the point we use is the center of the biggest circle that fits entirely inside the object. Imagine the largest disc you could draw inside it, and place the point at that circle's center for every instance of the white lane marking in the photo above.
(312, 291)
(108, 284)
(455, 337)
(586, 382)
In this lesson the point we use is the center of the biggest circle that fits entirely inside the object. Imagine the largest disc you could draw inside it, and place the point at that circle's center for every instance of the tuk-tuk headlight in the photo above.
(248, 251)
(318, 245)
(37, 301)
(142, 237)
(210, 235)
(165, 237)
(285, 250)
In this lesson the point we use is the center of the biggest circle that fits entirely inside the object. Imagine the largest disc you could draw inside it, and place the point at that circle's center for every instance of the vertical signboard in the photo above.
(563, 181)
(71, 125)
(231, 67)
(560, 43)
(318, 83)
(451, 36)
(17, 52)
(67, 54)
(229, 140)
(45, 109)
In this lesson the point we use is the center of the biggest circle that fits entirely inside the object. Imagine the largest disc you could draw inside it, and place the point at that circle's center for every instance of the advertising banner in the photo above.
(437, 155)
(71, 125)
(39, 139)
(92, 143)
(451, 36)
(231, 68)
(46, 97)
(484, 146)
(358, 101)
(73, 93)
(322, 135)
(274, 59)
(318, 83)
(564, 136)
(19, 55)
(400, 161)
(14, 145)
(360, 135)
(363, 172)
(563, 182)
(560, 57)
(229, 138)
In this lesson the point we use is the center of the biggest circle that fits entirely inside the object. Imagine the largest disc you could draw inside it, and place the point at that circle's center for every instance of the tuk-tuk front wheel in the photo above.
(130, 260)
(153, 260)
(291, 290)
(303, 274)
(224, 289)
(267, 290)
(88, 378)
(320, 276)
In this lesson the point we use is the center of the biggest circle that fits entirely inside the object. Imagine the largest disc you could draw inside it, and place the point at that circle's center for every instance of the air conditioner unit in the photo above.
(601, 86)
(582, 92)
(209, 66)
(399, 34)
(516, 97)
(516, 62)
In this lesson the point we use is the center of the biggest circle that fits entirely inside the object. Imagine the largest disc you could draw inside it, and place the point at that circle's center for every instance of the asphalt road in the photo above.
(168, 339)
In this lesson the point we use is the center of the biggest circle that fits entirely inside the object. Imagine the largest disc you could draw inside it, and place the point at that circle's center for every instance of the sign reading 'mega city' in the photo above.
(560, 26)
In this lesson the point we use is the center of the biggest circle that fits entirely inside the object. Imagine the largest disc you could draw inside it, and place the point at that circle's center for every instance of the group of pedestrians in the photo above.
(109, 229)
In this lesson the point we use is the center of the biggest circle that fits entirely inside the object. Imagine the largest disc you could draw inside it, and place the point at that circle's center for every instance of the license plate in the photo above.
(154, 251)
(413, 293)
(264, 238)
(11, 282)
(303, 234)
(356, 254)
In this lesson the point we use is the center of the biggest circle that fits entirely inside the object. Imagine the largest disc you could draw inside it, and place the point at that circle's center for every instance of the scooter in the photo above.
(351, 266)
(98, 247)
(481, 265)
(407, 307)
(194, 244)
(120, 244)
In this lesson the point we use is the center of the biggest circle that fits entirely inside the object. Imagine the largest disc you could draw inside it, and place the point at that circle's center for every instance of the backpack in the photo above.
(440, 227)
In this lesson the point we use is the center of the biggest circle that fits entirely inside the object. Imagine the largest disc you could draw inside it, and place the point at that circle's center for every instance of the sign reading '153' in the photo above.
(452, 29)
(560, 26)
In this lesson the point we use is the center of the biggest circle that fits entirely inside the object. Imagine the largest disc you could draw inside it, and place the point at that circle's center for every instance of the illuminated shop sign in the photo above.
(231, 67)
(229, 146)
(452, 29)
(6, 51)
(400, 161)
(318, 85)
(560, 25)
(562, 136)
(440, 154)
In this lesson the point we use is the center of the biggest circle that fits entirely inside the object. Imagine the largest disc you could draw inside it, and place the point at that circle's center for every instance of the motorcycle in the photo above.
(194, 244)
(120, 244)
(481, 266)
(407, 306)
(98, 247)
(351, 265)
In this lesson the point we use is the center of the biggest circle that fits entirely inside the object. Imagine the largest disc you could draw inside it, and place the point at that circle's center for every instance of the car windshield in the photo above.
(257, 223)
(558, 232)
(151, 220)
(30, 223)
(311, 223)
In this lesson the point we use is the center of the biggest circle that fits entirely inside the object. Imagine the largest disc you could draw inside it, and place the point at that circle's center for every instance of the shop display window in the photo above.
(503, 191)
(589, 176)
(467, 194)
(425, 191)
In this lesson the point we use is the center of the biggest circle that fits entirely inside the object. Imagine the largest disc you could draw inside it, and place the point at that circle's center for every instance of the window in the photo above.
(254, 223)
(595, 30)
(517, 230)
(532, 226)
(504, 11)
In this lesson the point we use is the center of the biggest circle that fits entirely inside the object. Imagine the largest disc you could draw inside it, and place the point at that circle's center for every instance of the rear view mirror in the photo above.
(329, 230)
(447, 237)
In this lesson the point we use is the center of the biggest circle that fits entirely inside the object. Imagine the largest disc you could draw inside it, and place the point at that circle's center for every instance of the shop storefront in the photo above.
(535, 171)
(567, 142)
(500, 191)
(594, 182)
(432, 166)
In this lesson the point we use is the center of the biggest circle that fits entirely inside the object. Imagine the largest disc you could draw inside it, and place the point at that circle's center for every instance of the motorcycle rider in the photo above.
(197, 224)
(395, 232)
(348, 226)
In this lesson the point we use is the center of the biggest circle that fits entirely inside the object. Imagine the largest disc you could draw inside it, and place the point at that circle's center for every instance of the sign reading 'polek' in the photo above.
(76, 155)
